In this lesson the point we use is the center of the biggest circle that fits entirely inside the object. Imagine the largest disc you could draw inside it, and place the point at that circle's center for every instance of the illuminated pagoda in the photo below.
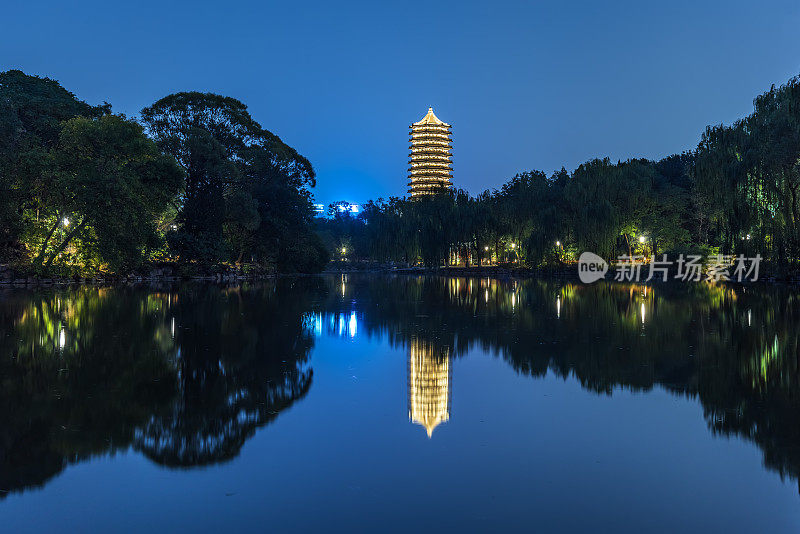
(430, 158)
(429, 376)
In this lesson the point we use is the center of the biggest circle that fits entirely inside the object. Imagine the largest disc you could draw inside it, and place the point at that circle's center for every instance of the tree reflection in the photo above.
(185, 376)
(244, 359)
(736, 349)
(81, 370)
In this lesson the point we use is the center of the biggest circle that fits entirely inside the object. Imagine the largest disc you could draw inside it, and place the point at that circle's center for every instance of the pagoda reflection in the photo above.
(429, 376)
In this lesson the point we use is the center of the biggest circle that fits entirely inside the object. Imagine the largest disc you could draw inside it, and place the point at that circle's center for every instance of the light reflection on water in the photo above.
(186, 376)
(332, 324)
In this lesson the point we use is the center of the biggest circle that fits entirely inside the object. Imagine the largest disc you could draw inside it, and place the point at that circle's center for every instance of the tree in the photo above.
(110, 186)
(246, 192)
(32, 110)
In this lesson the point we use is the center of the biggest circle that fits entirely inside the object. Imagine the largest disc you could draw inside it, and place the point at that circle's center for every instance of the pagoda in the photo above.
(429, 162)
(429, 375)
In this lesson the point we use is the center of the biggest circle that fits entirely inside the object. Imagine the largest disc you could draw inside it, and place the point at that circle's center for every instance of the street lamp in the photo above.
(344, 250)
(642, 239)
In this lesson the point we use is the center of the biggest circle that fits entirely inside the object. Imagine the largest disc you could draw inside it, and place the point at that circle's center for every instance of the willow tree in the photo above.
(722, 177)
(607, 201)
(774, 162)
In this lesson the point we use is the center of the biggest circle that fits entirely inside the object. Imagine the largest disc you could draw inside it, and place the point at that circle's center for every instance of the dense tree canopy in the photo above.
(32, 110)
(245, 193)
(533, 218)
(110, 186)
(204, 184)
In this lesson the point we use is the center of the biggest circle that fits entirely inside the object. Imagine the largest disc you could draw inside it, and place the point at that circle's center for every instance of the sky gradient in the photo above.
(526, 85)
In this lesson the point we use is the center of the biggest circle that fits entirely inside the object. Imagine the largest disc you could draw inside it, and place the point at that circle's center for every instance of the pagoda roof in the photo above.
(430, 118)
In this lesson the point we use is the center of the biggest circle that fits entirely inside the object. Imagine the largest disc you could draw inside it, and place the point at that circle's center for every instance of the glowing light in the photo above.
(486, 248)
(62, 338)
(318, 325)
(429, 375)
(749, 317)
(642, 239)
(429, 159)
(486, 295)
(65, 221)
(344, 250)
(558, 306)
(643, 312)
(348, 208)
(558, 243)
(513, 245)
(353, 324)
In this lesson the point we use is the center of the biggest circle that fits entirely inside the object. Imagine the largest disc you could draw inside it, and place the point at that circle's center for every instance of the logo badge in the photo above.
(591, 267)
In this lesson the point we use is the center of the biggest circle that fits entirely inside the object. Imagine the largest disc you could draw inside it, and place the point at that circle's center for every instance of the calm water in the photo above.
(398, 403)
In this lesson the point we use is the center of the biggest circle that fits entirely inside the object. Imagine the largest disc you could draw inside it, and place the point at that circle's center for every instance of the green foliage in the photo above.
(107, 186)
(32, 110)
(86, 190)
(245, 194)
(747, 176)
(533, 219)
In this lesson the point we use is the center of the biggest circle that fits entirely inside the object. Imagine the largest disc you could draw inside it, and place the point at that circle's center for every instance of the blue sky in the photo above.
(526, 85)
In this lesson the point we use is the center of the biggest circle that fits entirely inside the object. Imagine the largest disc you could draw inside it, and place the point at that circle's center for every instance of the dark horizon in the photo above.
(525, 87)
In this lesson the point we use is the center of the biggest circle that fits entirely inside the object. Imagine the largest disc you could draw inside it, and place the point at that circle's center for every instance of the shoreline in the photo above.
(570, 274)
(495, 272)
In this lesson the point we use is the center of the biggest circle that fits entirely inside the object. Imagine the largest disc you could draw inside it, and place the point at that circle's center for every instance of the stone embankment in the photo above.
(163, 273)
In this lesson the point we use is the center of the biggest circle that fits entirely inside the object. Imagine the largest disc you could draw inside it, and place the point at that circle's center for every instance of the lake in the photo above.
(400, 403)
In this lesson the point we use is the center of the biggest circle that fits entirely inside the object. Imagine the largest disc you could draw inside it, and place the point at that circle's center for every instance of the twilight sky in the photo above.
(526, 85)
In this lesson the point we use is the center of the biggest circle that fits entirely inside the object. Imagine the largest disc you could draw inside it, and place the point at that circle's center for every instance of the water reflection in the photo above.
(700, 341)
(187, 374)
(429, 377)
(183, 376)
(243, 360)
(341, 324)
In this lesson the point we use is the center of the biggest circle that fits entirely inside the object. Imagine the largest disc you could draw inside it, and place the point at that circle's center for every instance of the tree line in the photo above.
(736, 193)
(195, 180)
